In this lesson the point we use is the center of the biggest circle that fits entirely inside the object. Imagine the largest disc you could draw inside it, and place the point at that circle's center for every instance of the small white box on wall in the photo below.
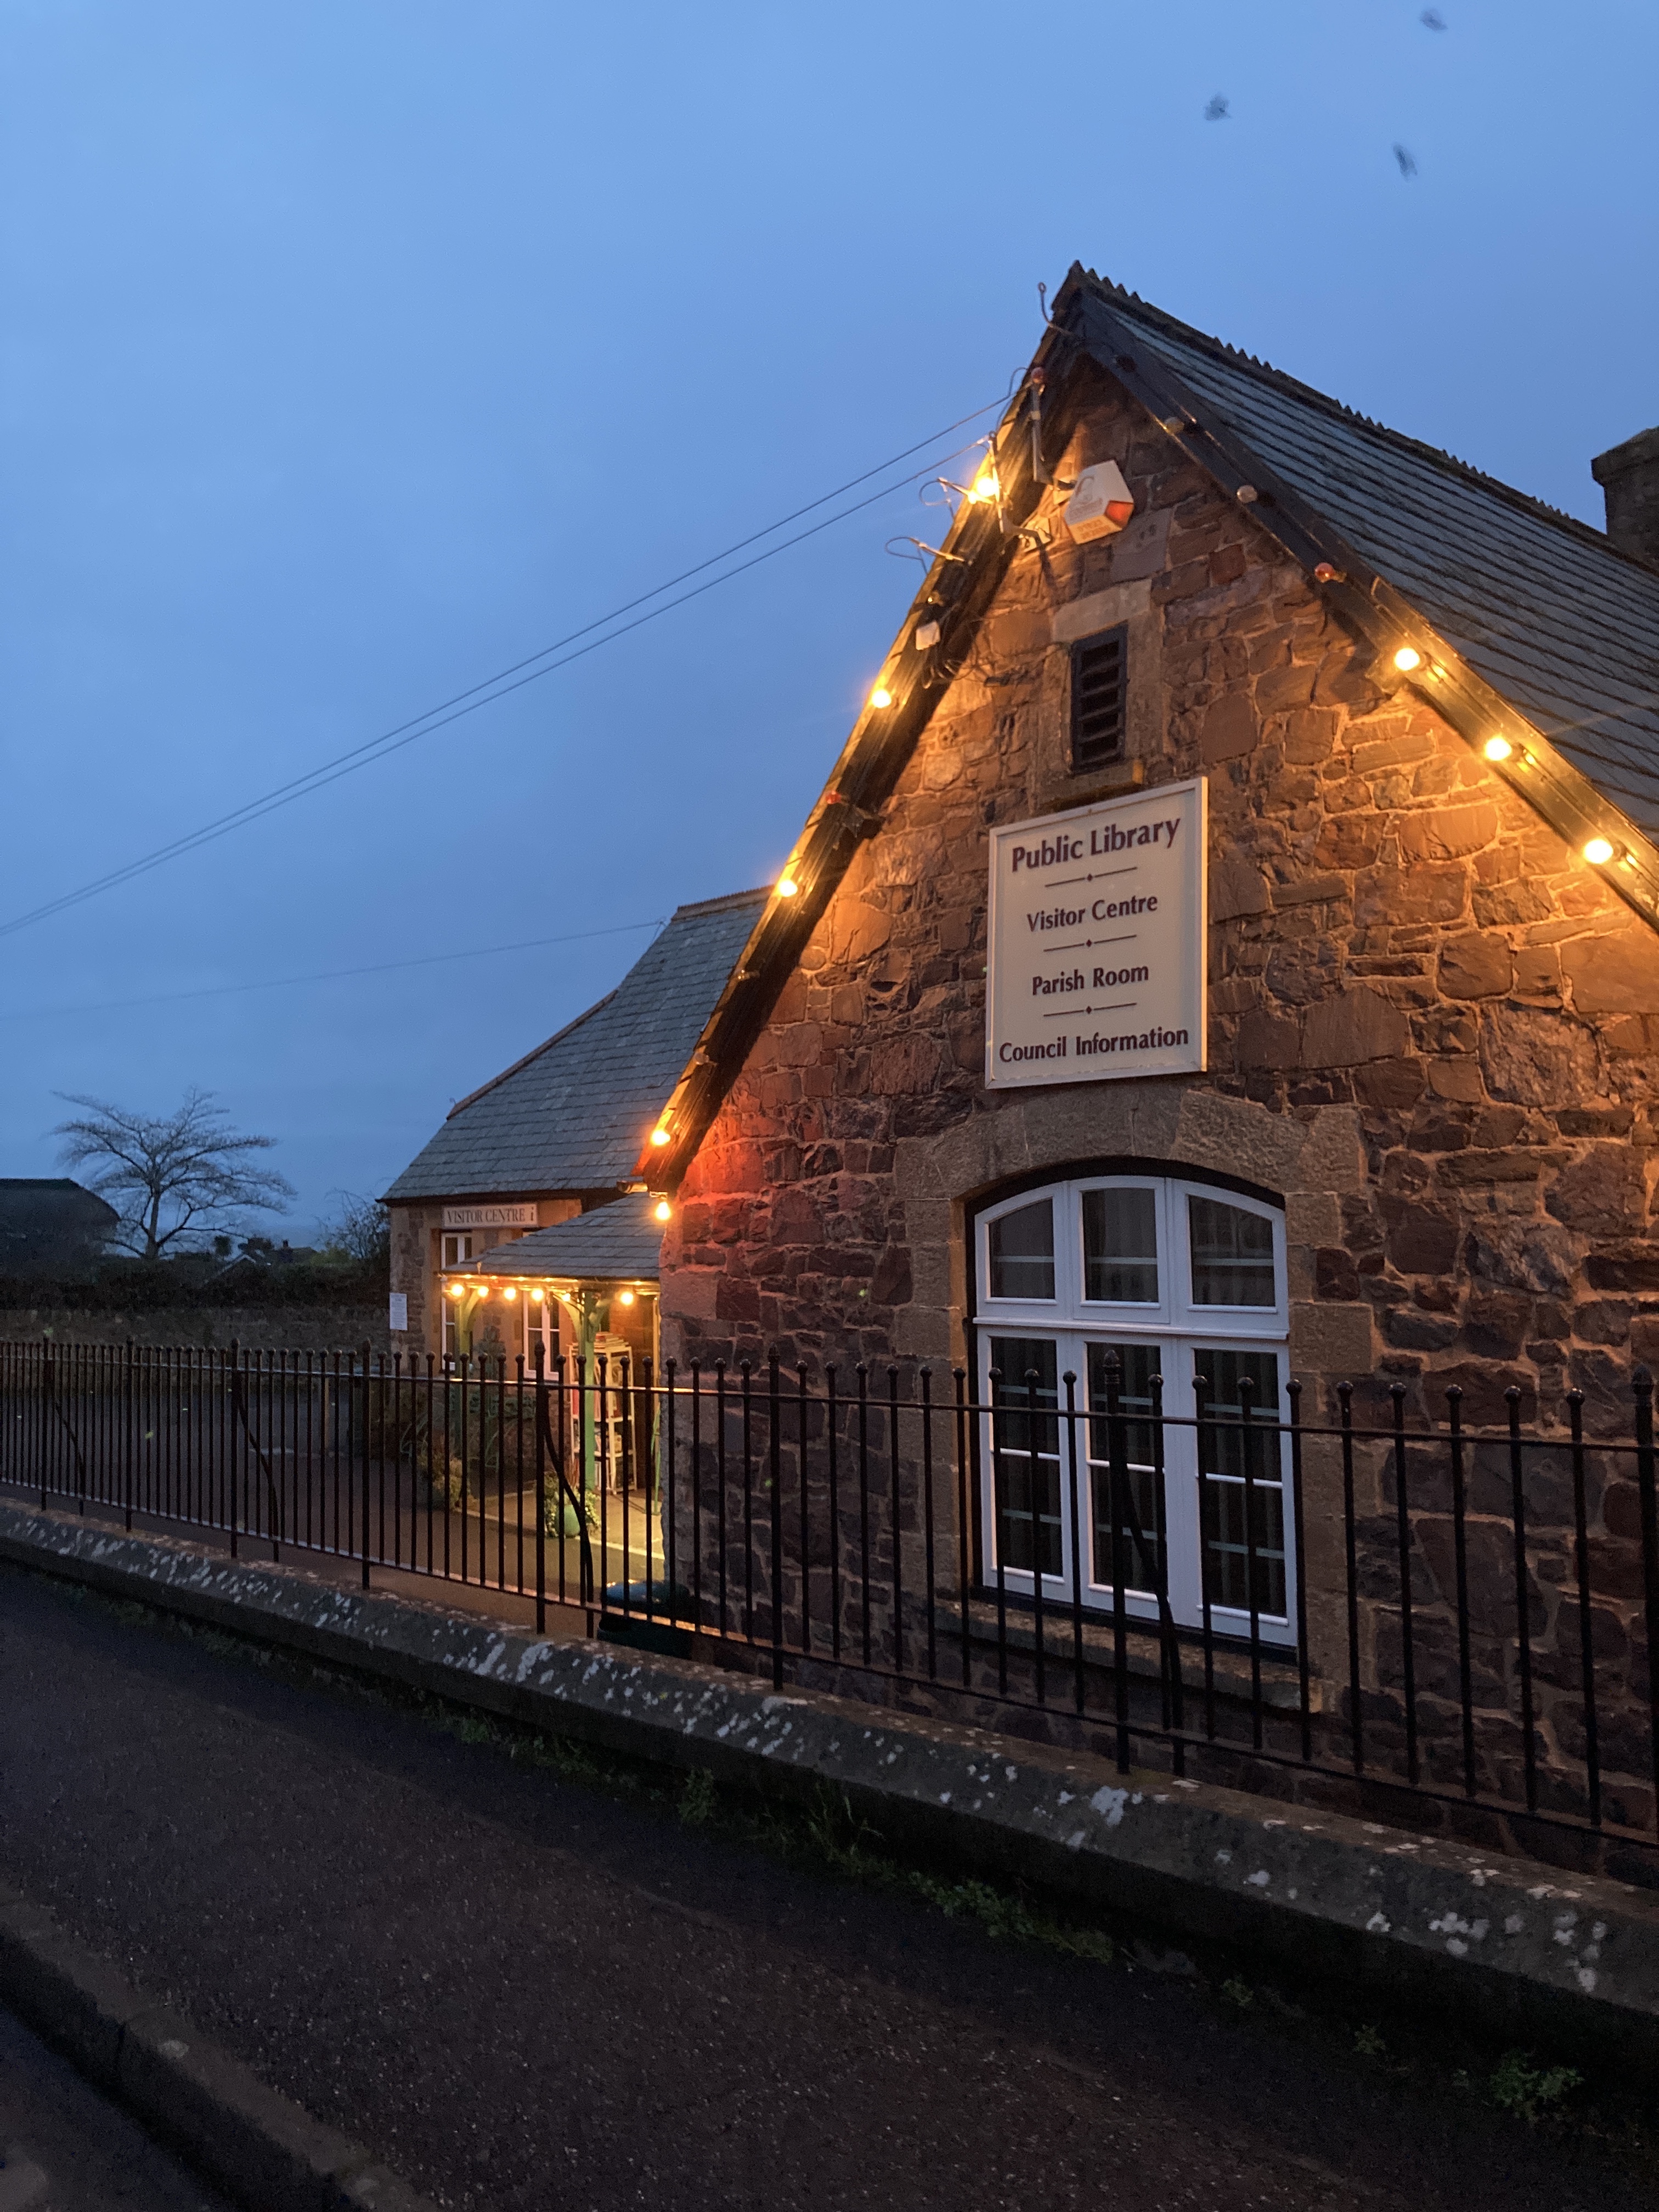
(399, 1303)
(1101, 503)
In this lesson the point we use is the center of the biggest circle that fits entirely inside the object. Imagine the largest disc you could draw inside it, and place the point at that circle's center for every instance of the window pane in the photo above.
(1138, 1441)
(1230, 1448)
(1232, 1255)
(1120, 1246)
(1026, 1431)
(1022, 1253)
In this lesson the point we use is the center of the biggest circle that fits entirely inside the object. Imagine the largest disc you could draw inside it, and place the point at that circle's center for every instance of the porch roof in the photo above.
(616, 1244)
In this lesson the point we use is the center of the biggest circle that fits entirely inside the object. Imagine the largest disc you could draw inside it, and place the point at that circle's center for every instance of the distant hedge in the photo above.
(147, 1286)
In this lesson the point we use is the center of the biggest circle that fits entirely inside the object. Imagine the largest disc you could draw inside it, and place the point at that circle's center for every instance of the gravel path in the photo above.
(528, 1995)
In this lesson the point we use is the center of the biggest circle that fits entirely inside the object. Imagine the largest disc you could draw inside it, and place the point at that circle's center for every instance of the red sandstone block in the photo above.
(1476, 966)
(1283, 686)
(1392, 1085)
(1231, 729)
(1349, 842)
(1431, 891)
(1448, 832)
(1185, 582)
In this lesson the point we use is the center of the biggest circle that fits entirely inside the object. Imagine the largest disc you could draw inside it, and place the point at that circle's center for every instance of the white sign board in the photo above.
(1098, 941)
(490, 1216)
(397, 1302)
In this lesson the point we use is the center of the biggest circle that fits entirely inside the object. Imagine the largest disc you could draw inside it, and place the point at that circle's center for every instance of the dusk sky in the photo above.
(353, 352)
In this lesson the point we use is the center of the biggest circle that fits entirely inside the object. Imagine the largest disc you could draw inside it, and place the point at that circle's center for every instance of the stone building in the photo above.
(551, 1138)
(1414, 1144)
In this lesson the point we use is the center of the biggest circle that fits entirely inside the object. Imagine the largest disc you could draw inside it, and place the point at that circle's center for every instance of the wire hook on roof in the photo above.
(933, 552)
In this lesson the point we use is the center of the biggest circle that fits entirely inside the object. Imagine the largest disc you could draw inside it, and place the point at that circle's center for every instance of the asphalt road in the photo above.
(524, 1993)
(66, 2150)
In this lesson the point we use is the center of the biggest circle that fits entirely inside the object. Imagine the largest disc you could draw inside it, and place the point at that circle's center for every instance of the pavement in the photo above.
(68, 2149)
(522, 1992)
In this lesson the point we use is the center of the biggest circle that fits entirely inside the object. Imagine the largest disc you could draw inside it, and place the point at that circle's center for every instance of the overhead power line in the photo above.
(323, 976)
(559, 655)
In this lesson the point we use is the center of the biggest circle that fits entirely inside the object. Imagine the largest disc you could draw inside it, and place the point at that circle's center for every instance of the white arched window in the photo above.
(1184, 1282)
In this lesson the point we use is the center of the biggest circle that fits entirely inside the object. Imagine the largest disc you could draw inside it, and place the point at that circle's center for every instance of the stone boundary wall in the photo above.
(1571, 1960)
(262, 1329)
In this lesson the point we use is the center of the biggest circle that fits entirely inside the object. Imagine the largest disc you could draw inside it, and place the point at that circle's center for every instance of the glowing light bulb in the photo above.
(539, 1298)
(984, 486)
(509, 1292)
(660, 1136)
(786, 887)
(663, 1210)
(627, 1298)
(1406, 659)
(881, 697)
(481, 1290)
(1498, 749)
(1599, 851)
(457, 1290)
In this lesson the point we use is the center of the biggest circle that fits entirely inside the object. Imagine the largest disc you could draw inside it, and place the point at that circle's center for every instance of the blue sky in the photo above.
(354, 349)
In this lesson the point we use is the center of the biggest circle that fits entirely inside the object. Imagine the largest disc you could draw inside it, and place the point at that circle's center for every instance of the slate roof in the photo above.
(48, 1221)
(573, 1114)
(1540, 605)
(616, 1244)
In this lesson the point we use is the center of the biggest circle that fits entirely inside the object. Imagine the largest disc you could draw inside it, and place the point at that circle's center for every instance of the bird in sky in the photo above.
(1218, 110)
(1432, 20)
(1407, 164)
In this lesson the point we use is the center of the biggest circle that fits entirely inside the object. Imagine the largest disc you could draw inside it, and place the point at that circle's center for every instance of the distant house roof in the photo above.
(50, 1221)
(616, 1244)
(573, 1114)
(1529, 622)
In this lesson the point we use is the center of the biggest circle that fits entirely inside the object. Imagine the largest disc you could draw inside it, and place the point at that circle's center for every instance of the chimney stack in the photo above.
(1628, 476)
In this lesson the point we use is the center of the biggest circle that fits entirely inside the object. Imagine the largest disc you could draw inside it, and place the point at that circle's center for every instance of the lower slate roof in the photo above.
(616, 1244)
(1540, 605)
(573, 1114)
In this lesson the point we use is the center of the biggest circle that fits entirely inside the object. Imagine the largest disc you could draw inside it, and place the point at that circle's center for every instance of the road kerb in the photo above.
(262, 2149)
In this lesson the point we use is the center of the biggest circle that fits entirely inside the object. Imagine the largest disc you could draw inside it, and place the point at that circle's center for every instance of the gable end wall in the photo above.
(1433, 1029)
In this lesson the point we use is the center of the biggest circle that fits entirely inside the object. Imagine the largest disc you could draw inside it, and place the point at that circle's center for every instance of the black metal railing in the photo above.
(1462, 1613)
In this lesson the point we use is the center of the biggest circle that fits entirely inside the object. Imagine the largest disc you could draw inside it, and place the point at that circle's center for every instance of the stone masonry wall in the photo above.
(1434, 1031)
(1400, 950)
(262, 1329)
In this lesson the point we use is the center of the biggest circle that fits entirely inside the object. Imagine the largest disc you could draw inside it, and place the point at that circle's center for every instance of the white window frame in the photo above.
(540, 1322)
(1180, 1331)
(455, 1250)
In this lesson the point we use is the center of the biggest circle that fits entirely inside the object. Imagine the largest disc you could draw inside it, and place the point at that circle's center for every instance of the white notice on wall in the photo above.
(1096, 964)
(398, 1301)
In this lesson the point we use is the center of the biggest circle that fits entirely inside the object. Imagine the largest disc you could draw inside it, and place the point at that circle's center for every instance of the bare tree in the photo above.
(358, 1229)
(173, 1177)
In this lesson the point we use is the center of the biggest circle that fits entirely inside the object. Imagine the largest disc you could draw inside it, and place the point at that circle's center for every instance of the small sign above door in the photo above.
(491, 1217)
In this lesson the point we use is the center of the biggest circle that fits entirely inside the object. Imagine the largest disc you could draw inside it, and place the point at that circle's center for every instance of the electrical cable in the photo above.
(498, 686)
(324, 976)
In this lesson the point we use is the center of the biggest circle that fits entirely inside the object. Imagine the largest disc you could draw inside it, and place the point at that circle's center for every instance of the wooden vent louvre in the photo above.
(1097, 700)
